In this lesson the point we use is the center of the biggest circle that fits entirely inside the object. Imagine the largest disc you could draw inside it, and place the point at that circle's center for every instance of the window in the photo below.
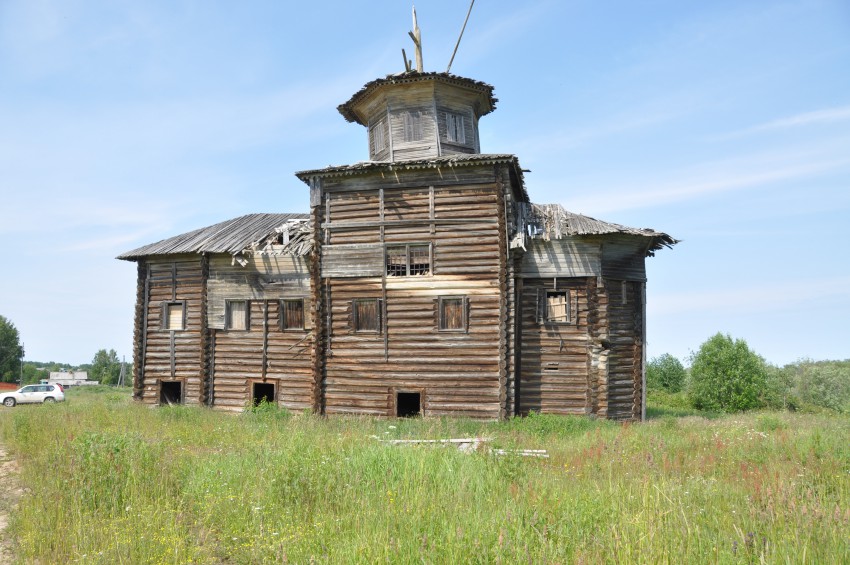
(237, 315)
(412, 126)
(379, 136)
(554, 307)
(455, 131)
(173, 316)
(366, 315)
(452, 313)
(292, 314)
(408, 260)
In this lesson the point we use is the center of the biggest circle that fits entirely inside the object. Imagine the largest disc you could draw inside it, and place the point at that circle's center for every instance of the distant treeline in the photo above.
(724, 375)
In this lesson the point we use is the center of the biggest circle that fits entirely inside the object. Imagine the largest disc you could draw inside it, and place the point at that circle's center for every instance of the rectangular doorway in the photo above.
(170, 392)
(408, 404)
(262, 392)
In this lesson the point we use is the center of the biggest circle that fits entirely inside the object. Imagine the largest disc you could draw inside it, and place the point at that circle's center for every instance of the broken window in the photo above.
(408, 260)
(173, 315)
(366, 315)
(237, 315)
(412, 125)
(455, 131)
(452, 313)
(553, 307)
(292, 314)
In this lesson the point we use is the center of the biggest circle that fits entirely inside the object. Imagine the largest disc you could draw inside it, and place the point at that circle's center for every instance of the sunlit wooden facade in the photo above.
(422, 281)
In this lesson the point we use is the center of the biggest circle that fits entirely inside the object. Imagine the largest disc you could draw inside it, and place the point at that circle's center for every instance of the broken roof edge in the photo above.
(231, 236)
(346, 108)
(556, 223)
(457, 160)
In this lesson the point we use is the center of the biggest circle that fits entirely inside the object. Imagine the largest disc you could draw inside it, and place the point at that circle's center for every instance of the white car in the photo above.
(33, 394)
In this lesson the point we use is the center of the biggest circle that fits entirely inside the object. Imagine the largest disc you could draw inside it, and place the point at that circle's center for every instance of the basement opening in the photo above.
(170, 392)
(262, 392)
(408, 404)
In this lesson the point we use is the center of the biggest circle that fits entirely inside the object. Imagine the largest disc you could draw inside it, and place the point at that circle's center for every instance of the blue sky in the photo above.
(724, 123)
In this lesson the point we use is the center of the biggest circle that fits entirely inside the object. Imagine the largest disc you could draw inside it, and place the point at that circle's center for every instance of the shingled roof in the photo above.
(347, 109)
(458, 160)
(555, 222)
(231, 236)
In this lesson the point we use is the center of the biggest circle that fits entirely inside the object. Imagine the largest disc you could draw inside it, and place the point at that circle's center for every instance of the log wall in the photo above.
(625, 369)
(174, 355)
(455, 372)
(555, 363)
(263, 353)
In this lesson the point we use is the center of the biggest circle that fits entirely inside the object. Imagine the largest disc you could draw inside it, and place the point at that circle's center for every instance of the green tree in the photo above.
(727, 376)
(824, 383)
(11, 351)
(105, 367)
(665, 372)
(33, 373)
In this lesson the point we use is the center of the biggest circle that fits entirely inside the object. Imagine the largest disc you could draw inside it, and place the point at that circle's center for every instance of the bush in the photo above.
(825, 384)
(726, 376)
(665, 372)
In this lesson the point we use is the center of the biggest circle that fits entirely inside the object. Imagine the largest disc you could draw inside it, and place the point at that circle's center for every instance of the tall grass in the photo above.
(115, 482)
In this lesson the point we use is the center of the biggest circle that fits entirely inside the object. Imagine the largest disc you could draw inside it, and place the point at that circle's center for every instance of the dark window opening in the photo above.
(452, 313)
(292, 315)
(408, 260)
(170, 392)
(262, 392)
(408, 404)
(366, 314)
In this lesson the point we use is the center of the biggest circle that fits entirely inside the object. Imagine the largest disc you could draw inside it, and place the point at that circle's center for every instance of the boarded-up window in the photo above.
(173, 315)
(366, 315)
(455, 131)
(408, 260)
(451, 313)
(292, 314)
(553, 307)
(412, 125)
(236, 315)
(379, 136)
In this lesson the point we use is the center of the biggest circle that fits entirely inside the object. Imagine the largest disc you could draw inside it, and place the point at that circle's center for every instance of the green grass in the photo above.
(123, 483)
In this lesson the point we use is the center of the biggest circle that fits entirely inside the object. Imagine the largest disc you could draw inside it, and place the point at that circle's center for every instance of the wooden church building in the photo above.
(422, 281)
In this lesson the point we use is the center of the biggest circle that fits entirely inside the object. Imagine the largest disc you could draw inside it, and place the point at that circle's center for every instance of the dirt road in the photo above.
(10, 493)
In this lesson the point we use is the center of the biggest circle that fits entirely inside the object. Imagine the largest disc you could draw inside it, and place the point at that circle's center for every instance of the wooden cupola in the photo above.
(419, 115)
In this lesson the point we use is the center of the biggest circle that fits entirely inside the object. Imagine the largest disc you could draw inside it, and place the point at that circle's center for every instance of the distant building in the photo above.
(70, 378)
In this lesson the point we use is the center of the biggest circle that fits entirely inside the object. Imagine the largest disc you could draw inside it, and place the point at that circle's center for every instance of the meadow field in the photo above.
(109, 481)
